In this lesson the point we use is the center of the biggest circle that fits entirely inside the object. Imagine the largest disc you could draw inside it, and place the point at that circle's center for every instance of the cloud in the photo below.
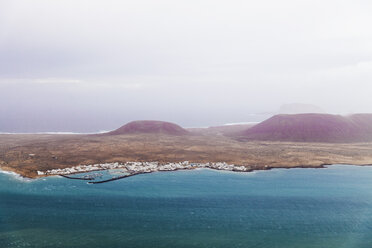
(208, 62)
(358, 74)
(55, 81)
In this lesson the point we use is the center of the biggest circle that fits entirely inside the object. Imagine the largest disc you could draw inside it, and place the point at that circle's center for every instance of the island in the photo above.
(150, 146)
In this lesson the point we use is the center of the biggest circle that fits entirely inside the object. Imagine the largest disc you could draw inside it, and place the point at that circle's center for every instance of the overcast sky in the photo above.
(93, 65)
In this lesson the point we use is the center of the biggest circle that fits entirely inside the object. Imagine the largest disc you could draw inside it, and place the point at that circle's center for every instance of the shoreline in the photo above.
(27, 154)
(16, 175)
(22, 178)
(145, 167)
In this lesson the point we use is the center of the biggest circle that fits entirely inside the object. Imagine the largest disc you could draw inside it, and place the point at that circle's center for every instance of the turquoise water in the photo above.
(296, 208)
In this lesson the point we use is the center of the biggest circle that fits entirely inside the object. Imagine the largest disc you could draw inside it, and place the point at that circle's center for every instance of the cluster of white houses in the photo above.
(144, 167)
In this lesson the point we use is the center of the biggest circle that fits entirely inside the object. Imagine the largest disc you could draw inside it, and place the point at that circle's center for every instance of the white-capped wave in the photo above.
(16, 176)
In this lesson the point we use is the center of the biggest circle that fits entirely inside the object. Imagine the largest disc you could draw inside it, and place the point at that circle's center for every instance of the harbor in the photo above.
(123, 170)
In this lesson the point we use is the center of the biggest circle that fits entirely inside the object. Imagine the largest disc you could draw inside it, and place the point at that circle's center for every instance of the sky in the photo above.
(86, 66)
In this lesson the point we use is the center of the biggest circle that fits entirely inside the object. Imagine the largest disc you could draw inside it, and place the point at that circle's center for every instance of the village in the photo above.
(144, 167)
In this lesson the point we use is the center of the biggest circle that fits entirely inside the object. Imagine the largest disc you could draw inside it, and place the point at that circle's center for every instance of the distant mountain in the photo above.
(300, 108)
(227, 130)
(312, 128)
(146, 126)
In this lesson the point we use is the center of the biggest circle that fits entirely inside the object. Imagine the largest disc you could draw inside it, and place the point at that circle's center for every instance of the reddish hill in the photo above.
(162, 127)
(364, 121)
(313, 128)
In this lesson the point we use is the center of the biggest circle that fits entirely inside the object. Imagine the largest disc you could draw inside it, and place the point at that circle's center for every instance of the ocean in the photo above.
(281, 208)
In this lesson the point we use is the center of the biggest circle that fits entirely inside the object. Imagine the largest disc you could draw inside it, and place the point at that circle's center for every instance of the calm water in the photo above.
(295, 208)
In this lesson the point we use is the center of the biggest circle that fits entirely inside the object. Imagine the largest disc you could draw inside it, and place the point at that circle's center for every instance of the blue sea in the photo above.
(281, 208)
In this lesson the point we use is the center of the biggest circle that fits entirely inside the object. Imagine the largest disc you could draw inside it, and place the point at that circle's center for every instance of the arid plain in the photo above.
(27, 153)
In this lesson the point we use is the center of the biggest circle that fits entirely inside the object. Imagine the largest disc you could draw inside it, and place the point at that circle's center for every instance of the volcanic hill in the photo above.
(150, 127)
(312, 128)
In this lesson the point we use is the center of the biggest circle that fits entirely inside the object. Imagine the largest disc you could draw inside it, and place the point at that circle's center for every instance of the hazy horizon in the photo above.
(86, 66)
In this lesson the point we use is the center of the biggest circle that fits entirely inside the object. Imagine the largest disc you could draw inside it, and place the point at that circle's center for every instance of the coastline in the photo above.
(134, 168)
(16, 175)
(27, 154)
(144, 170)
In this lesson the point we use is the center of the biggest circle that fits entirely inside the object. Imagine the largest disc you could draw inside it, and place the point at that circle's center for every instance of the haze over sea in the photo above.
(296, 208)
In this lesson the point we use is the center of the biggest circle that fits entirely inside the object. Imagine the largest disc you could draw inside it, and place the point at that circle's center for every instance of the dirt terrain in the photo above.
(27, 153)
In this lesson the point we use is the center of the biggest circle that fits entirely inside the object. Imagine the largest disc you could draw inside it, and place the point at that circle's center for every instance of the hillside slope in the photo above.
(312, 128)
(153, 127)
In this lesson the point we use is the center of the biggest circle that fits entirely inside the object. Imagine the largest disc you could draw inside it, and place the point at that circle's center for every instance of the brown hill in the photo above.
(154, 127)
(312, 128)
